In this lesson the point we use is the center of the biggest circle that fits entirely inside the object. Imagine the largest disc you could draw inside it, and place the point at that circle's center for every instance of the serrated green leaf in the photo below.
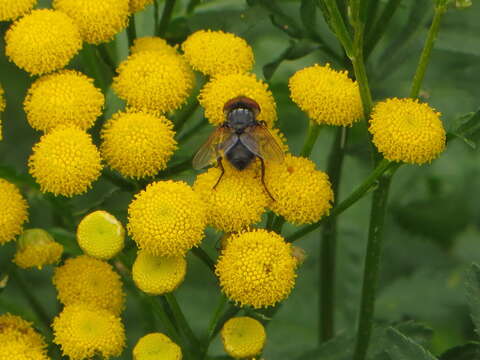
(472, 285)
(467, 128)
(404, 348)
(470, 351)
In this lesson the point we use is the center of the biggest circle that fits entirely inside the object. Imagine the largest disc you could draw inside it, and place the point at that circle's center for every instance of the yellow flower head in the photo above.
(12, 9)
(167, 219)
(36, 248)
(243, 337)
(42, 41)
(218, 53)
(156, 346)
(64, 98)
(85, 280)
(152, 43)
(98, 21)
(65, 161)
(100, 235)
(158, 275)
(407, 130)
(327, 96)
(14, 328)
(83, 331)
(239, 199)
(13, 213)
(138, 144)
(138, 5)
(154, 81)
(302, 194)
(256, 268)
(21, 350)
(221, 89)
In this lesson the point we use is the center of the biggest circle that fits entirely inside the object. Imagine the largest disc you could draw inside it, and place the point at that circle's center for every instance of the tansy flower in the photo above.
(243, 337)
(36, 248)
(13, 213)
(12, 9)
(152, 43)
(156, 346)
(137, 144)
(90, 281)
(14, 328)
(256, 268)
(239, 199)
(65, 161)
(65, 98)
(154, 81)
(158, 275)
(83, 332)
(167, 218)
(221, 89)
(218, 53)
(42, 41)
(407, 130)
(100, 235)
(327, 96)
(2, 108)
(138, 5)
(302, 194)
(98, 21)
(21, 350)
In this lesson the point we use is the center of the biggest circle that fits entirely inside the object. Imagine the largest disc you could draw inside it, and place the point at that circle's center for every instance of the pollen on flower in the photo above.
(65, 161)
(83, 331)
(221, 89)
(14, 211)
(98, 21)
(12, 9)
(155, 346)
(327, 96)
(167, 218)
(37, 248)
(218, 53)
(256, 268)
(67, 97)
(137, 144)
(90, 281)
(152, 43)
(407, 130)
(139, 5)
(42, 41)
(243, 337)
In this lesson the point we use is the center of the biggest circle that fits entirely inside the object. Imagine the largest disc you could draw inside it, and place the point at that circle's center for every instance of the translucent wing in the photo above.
(218, 143)
(261, 142)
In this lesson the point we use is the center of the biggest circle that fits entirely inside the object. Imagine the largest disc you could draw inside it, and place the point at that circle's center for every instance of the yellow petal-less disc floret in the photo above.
(154, 81)
(152, 43)
(13, 213)
(327, 96)
(83, 331)
(21, 350)
(139, 5)
(12, 9)
(14, 328)
(98, 21)
(221, 89)
(67, 97)
(85, 280)
(42, 41)
(158, 275)
(302, 194)
(155, 346)
(218, 53)
(167, 218)
(101, 235)
(65, 161)
(407, 130)
(243, 337)
(256, 268)
(137, 144)
(36, 248)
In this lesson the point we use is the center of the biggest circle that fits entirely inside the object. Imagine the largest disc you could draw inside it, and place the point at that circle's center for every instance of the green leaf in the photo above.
(473, 294)
(467, 128)
(404, 348)
(470, 351)
(339, 348)
(308, 15)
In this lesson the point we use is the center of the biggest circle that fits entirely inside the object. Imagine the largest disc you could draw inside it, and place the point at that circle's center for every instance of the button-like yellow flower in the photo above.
(2, 108)
(85, 280)
(21, 350)
(65, 161)
(167, 218)
(158, 275)
(13, 213)
(407, 130)
(302, 194)
(137, 144)
(84, 331)
(243, 337)
(221, 89)
(98, 21)
(152, 43)
(14, 328)
(101, 235)
(36, 248)
(327, 96)
(42, 41)
(155, 346)
(256, 268)
(138, 5)
(153, 81)
(218, 53)
(12, 9)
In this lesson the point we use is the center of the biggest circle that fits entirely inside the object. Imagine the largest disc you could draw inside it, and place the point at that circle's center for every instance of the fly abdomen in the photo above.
(239, 156)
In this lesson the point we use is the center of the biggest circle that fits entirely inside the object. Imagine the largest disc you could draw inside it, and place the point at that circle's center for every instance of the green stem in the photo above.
(131, 31)
(214, 321)
(339, 26)
(269, 222)
(193, 131)
(156, 8)
(166, 16)
(185, 115)
(278, 224)
(164, 319)
(312, 135)
(90, 62)
(106, 57)
(204, 257)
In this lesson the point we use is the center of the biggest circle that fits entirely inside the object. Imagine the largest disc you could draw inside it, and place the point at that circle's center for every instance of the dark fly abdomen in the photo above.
(239, 156)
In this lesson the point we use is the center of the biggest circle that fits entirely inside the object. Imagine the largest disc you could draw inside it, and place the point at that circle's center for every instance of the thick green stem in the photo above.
(166, 16)
(131, 31)
(339, 26)
(163, 317)
(312, 135)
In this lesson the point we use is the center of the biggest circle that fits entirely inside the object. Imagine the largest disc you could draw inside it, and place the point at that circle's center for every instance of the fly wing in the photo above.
(261, 142)
(216, 145)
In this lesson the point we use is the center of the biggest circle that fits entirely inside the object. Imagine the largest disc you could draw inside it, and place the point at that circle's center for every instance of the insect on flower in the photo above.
(240, 139)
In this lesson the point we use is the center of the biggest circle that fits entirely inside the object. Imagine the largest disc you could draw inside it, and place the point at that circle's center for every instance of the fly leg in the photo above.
(263, 178)
(220, 165)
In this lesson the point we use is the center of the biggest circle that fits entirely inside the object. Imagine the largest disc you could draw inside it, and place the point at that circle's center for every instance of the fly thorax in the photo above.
(240, 118)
